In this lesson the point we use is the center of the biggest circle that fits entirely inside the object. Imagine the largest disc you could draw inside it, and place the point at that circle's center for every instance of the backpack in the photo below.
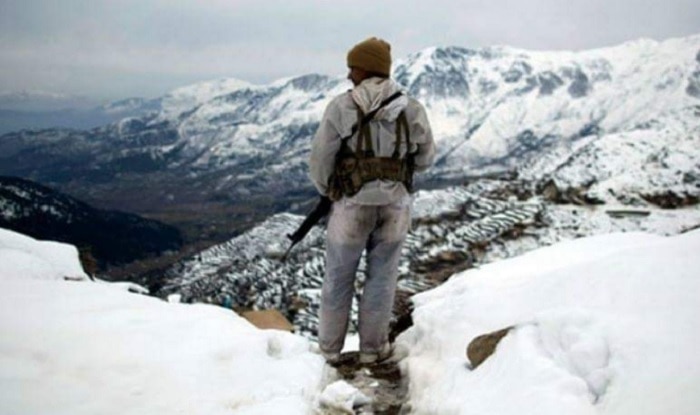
(355, 168)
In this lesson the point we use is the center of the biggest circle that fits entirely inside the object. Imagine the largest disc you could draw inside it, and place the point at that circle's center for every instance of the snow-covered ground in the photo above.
(74, 348)
(603, 325)
(24, 258)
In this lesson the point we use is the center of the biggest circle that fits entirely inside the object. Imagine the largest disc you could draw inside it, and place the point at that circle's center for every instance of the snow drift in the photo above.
(93, 348)
(603, 325)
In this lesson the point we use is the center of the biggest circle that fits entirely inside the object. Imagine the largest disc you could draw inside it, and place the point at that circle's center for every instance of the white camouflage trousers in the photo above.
(352, 229)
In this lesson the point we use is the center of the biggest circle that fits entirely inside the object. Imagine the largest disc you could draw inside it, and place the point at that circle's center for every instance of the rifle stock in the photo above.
(320, 211)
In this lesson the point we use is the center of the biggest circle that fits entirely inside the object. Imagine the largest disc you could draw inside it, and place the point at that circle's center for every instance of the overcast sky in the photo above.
(119, 48)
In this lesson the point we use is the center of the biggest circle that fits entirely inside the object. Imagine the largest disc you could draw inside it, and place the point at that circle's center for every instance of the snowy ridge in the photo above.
(16, 195)
(629, 166)
(271, 123)
(560, 96)
(187, 97)
(246, 272)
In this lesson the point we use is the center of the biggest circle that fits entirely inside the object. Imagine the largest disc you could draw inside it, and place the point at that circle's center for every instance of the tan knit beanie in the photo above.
(372, 55)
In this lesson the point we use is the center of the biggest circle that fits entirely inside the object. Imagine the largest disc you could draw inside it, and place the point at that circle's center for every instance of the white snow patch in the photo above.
(89, 348)
(341, 397)
(603, 325)
(23, 257)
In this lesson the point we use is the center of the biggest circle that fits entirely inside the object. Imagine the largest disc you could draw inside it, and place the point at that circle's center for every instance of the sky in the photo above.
(112, 49)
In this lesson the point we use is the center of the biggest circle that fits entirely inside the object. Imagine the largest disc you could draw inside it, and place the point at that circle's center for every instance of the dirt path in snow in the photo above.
(382, 383)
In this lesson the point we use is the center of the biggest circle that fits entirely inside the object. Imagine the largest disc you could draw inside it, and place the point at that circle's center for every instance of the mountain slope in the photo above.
(453, 229)
(246, 272)
(112, 237)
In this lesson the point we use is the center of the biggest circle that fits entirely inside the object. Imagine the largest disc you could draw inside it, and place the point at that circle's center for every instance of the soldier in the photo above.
(368, 175)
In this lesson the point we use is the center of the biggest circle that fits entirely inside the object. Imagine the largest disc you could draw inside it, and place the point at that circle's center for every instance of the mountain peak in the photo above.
(308, 83)
(187, 97)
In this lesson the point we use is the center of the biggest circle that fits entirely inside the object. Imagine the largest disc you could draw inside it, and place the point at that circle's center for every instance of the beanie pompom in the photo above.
(372, 55)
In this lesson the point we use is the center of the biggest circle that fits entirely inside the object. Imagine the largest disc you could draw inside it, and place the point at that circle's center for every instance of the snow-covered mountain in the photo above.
(619, 124)
(492, 109)
(188, 97)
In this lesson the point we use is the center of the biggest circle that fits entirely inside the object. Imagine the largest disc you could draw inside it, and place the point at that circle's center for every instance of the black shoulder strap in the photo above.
(368, 117)
(401, 129)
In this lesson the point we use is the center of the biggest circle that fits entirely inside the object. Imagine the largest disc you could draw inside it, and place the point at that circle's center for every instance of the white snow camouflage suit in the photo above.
(376, 219)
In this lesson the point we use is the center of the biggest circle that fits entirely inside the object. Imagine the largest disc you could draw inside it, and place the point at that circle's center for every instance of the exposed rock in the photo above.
(671, 200)
(631, 212)
(88, 261)
(268, 319)
(693, 88)
(580, 87)
(516, 71)
(549, 82)
(511, 188)
(576, 195)
(483, 346)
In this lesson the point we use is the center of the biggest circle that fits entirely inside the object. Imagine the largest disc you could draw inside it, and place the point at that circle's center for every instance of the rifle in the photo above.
(324, 204)
(322, 208)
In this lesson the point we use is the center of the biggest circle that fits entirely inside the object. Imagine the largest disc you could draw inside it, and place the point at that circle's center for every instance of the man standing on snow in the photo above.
(366, 168)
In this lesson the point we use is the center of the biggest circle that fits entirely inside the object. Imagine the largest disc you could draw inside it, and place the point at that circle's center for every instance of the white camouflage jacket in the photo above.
(337, 122)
